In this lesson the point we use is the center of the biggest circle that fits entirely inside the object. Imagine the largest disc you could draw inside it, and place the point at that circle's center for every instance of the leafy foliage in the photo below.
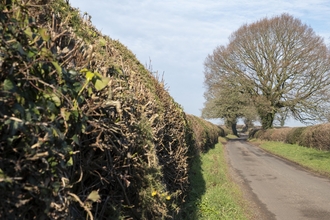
(37, 114)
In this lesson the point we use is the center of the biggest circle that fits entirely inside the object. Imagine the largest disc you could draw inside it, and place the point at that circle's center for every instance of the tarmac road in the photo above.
(278, 189)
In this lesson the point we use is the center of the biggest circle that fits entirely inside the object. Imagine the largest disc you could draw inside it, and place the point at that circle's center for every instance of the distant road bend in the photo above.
(279, 189)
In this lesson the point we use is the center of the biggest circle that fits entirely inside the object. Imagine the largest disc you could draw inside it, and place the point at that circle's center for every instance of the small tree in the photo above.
(225, 100)
(279, 63)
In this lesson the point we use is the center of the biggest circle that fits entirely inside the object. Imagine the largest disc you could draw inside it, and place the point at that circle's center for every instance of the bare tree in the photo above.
(280, 63)
(281, 116)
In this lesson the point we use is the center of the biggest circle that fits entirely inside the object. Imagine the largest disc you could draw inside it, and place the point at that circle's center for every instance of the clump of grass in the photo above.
(313, 159)
(213, 195)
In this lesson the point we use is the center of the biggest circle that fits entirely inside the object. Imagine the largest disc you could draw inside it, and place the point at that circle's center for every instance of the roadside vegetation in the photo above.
(312, 159)
(86, 131)
(231, 136)
(317, 136)
(306, 146)
(213, 194)
(270, 70)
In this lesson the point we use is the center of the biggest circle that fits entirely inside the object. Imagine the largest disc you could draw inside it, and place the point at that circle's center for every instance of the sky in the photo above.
(175, 36)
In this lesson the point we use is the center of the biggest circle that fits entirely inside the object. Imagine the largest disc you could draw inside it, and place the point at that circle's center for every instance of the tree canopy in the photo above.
(225, 101)
(279, 63)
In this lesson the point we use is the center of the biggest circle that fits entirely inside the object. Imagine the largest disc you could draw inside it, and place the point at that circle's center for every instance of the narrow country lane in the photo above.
(281, 189)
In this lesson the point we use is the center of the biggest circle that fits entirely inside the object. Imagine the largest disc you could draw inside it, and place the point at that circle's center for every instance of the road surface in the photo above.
(279, 189)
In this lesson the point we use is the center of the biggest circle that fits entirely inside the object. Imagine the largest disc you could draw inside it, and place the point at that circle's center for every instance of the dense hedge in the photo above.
(86, 131)
(317, 136)
(205, 133)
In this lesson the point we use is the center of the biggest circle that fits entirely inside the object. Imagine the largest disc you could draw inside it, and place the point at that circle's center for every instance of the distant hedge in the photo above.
(205, 133)
(317, 136)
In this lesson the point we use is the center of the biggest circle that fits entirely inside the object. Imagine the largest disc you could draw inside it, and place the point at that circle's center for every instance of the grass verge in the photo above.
(310, 158)
(213, 194)
(231, 136)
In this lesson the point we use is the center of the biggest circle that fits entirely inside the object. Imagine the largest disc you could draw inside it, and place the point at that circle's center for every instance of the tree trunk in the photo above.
(234, 129)
(267, 119)
(231, 123)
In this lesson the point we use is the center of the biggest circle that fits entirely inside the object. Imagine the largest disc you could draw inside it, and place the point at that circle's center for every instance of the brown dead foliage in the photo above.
(205, 133)
(275, 134)
(317, 136)
(115, 151)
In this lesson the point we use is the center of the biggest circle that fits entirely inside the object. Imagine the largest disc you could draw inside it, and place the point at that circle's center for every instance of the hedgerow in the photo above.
(86, 131)
(316, 136)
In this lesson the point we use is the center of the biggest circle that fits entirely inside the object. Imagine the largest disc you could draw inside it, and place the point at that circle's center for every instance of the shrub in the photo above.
(205, 133)
(265, 134)
(226, 130)
(317, 136)
(294, 135)
(253, 133)
(279, 134)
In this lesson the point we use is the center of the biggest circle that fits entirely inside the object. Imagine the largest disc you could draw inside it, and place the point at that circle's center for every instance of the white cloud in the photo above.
(177, 35)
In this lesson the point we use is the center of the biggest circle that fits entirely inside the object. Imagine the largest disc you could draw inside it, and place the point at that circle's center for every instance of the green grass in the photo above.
(313, 159)
(231, 136)
(213, 195)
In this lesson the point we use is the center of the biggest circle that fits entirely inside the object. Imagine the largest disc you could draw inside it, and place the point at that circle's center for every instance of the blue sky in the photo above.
(177, 35)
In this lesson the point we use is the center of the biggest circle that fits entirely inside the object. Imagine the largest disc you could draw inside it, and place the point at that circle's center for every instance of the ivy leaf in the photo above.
(72, 72)
(84, 70)
(30, 54)
(101, 83)
(75, 139)
(43, 34)
(28, 32)
(8, 85)
(89, 75)
(54, 98)
(65, 114)
(74, 111)
(102, 42)
(69, 162)
(57, 67)
(94, 196)
(19, 47)
(45, 52)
